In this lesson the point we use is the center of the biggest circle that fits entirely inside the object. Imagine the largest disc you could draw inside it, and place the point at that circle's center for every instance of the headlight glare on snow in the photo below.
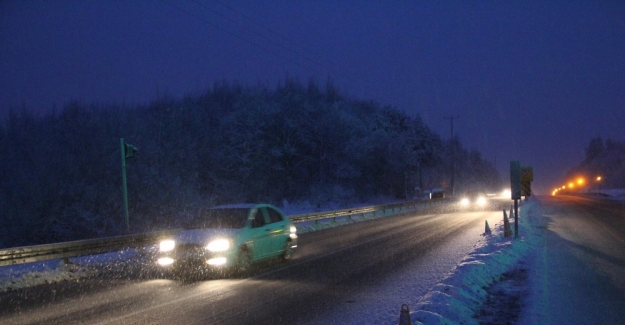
(217, 261)
(167, 245)
(218, 245)
(464, 201)
(481, 200)
(164, 261)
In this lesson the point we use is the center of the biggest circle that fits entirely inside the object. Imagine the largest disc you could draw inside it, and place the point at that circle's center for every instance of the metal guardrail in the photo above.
(36, 253)
(27, 254)
(376, 210)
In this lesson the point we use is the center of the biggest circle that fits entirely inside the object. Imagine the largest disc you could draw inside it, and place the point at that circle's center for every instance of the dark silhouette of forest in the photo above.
(61, 173)
(605, 158)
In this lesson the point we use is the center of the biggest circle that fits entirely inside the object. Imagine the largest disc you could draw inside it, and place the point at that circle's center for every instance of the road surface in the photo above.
(338, 267)
(579, 272)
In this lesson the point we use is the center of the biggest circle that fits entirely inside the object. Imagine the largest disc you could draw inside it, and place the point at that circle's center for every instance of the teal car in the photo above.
(229, 238)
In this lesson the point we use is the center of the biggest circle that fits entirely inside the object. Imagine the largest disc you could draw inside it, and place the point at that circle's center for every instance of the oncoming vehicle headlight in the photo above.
(167, 245)
(481, 200)
(293, 232)
(165, 261)
(218, 245)
(464, 201)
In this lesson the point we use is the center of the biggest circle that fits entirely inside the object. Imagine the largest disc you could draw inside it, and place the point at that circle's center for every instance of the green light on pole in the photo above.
(128, 151)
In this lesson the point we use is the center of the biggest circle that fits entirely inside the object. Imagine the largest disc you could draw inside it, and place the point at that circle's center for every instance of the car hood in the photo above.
(201, 236)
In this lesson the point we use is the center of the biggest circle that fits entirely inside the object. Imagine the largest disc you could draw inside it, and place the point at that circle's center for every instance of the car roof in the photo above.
(243, 206)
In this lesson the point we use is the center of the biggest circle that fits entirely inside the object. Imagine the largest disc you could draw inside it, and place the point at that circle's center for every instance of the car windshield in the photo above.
(220, 218)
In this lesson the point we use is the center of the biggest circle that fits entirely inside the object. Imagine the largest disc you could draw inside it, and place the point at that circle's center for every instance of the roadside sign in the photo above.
(527, 174)
(526, 188)
(515, 180)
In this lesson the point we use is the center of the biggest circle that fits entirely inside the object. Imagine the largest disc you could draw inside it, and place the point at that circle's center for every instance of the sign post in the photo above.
(515, 190)
(127, 151)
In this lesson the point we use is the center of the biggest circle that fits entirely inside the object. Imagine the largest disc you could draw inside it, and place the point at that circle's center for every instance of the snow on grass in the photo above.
(459, 298)
(27, 275)
(33, 274)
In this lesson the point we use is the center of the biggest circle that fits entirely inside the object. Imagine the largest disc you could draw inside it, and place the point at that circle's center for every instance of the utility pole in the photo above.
(127, 151)
(419, 153)
(453, 152)
(420, 176)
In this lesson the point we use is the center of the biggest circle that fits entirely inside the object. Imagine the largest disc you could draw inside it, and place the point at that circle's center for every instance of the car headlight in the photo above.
(293, 232)
(218, 245)
(481, 200)
(464, 201)
(167, 245)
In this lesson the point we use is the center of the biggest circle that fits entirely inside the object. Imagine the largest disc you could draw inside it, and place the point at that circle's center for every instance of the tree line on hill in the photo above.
(604, 158)
(61, 173)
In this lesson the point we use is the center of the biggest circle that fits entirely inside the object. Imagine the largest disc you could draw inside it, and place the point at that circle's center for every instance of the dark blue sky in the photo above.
(529, 81)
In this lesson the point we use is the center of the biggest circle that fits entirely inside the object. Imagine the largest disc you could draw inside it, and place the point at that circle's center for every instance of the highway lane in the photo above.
(330, 267)
(595, 229)
(579, 270)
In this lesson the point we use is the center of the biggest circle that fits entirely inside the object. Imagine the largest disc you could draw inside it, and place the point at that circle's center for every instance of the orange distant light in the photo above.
(598, 178)
(571, 185)
(580, 181)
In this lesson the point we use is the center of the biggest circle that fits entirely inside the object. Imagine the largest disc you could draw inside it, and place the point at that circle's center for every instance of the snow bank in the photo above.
(40, 273)
(460, 296)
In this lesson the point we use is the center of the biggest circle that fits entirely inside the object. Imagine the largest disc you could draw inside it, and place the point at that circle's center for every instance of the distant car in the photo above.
(229, 238)
(438, 193)
(474, 199)
(427, 195)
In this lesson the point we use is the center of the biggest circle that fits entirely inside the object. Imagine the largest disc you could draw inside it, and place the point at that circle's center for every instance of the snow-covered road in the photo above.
(565, 268)
(577, 272)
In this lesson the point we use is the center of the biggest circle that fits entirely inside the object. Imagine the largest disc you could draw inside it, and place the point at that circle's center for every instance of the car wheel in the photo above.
(244, 262)
(288, 251)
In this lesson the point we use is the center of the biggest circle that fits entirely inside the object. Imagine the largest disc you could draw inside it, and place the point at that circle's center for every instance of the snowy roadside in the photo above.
(487, 286)
(28, 275)
(463, 297)
(610, 194)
